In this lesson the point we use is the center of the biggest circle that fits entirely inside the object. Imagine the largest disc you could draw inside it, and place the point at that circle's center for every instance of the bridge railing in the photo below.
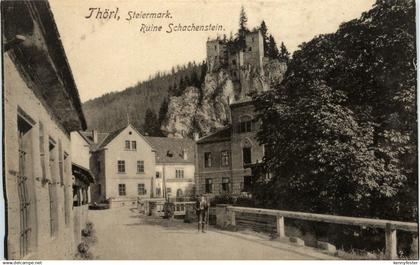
(390, 227)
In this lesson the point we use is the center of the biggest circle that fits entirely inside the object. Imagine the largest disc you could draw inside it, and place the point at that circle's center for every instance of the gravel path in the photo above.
(122, 233)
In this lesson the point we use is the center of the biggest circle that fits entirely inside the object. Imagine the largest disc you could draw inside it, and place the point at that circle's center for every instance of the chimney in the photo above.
(184, 154)
(95, 136)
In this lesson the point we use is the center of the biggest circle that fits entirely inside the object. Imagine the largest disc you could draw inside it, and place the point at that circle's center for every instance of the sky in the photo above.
(109, 55)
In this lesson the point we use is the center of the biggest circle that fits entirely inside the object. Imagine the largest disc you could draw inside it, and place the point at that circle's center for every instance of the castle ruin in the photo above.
(238, 60)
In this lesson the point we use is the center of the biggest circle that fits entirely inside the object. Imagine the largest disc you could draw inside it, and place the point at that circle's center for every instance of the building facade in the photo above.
(124, 163)
(175, 166)
(41, 108)
(225, 158)
(82, 179)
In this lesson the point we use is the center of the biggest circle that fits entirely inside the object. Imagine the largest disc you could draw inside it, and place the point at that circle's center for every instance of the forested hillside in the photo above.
(109, 112)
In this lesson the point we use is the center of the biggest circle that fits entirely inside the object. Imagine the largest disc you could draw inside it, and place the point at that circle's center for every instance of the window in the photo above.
(207, 159)
(179, 173)
(179, 193)
(225, 158)
(245, 126)
(157, 175)
(66, 162)
(158, 191)
(225, 184)
(209, 186)
(98, 166)
(66, 206)
(140, 166)
(133, 145)
(52, 189)
(168, 191)
(246, 155)
(23, 177)
(252, 39)
(121, 166)
(247, 184)
(140, 189)
(42, 151)
(234, 62)
(127, 145)
(60, 162)
(249, 49)
(121, 190)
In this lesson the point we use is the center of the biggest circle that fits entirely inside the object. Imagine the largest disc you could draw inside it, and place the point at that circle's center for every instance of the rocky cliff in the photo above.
(205, 109)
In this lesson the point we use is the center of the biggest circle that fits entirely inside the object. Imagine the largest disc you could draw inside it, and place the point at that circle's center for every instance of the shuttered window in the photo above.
(52, 189)
(24, 145)
(60, 162)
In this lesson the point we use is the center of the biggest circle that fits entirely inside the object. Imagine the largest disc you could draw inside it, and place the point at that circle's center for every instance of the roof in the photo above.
(222, 135)
(82, 173)
(43, 59)
(110, 137)
(87, 135)
(170, 150)
(105, 138)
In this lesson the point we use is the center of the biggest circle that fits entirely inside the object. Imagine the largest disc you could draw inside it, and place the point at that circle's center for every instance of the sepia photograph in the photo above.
(209, 130)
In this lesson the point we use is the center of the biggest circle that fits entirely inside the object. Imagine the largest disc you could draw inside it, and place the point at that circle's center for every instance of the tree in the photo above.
(284, 54)
(272, 50)
(263, 29)
(341, 127)
(151, 124)
(163, 110)
(243, 19)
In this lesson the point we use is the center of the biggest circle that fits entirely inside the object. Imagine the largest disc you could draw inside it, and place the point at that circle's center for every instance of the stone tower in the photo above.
(216, 54)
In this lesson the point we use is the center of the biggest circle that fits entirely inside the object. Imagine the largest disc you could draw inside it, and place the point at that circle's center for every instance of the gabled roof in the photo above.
(111, 136)
(222, 135)
(87, 136)
(170, 150)
(105, 138)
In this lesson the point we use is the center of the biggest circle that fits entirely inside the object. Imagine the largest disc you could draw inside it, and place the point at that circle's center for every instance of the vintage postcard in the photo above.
(210, 130)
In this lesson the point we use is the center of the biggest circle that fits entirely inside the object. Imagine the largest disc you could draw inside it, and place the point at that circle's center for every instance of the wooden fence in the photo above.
(390, 227)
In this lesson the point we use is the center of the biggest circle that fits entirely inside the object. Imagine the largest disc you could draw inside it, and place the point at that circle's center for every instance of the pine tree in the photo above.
(263, 30)
(243, 19)
(163, 110)
(272, 50)
(151, 125)
(284, 55)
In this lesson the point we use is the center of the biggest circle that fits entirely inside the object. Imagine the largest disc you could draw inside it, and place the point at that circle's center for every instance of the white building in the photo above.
(175, 166)
(123, 162)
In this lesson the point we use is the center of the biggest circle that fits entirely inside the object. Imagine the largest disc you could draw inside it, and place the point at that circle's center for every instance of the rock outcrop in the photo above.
(205, 111)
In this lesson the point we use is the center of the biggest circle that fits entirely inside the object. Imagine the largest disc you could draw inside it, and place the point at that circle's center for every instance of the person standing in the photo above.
(202, 207)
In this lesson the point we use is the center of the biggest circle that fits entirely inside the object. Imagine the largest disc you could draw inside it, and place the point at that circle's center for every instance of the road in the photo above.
(122, 233)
